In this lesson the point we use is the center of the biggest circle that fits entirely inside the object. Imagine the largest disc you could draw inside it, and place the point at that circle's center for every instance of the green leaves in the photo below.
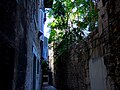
(71, 19)
(52, 36)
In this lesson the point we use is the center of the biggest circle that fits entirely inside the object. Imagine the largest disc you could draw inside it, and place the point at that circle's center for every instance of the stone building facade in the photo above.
(21, 34)
(93, 64)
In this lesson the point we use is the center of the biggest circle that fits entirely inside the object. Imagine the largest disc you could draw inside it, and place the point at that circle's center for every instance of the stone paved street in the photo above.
(48, 87)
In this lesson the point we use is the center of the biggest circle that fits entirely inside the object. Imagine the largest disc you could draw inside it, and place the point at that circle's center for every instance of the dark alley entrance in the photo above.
(47, 77)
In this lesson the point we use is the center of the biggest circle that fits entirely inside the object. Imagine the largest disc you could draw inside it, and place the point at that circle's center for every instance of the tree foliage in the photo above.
(71, 19)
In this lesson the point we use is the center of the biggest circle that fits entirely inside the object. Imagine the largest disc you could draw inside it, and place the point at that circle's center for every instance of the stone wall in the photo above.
(110, 16)
(93, 64)
(29, 73)
(19, 45)
(72, 68)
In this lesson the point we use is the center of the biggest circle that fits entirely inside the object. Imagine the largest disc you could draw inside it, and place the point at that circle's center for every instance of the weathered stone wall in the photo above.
(113, 58)
(95, 63)
(28, 76)
(72, 68)
(19, 45)
(110, 15)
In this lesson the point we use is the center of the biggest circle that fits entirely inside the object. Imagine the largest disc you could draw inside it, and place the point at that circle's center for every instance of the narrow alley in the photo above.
(48, 87)
(59, 44)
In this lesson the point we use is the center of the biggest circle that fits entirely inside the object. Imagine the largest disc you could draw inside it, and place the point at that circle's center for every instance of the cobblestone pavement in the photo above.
(48, 87)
